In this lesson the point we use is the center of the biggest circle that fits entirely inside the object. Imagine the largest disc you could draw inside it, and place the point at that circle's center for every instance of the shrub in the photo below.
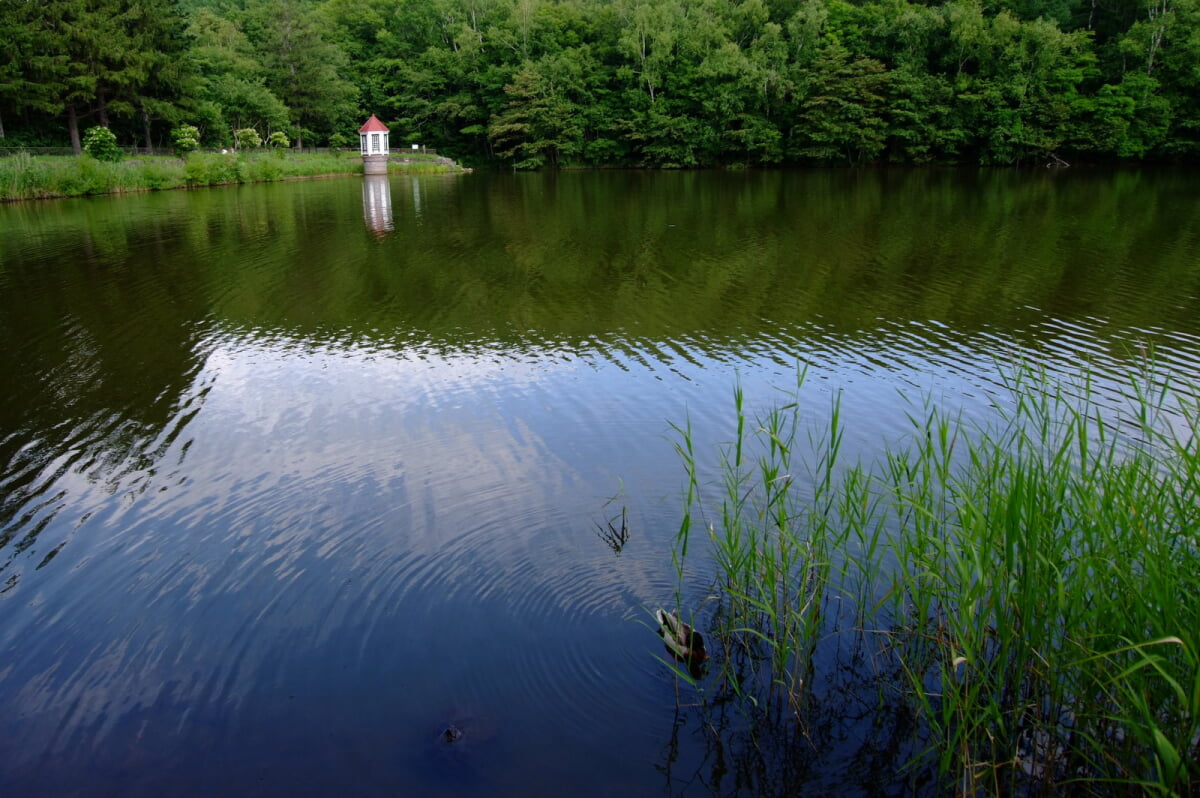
(247, 137)
(90, 176)
(187, 139)
(277, 139)
(195, 172)
(101, 144)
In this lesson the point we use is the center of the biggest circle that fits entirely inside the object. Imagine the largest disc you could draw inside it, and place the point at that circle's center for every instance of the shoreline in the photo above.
(26, 177)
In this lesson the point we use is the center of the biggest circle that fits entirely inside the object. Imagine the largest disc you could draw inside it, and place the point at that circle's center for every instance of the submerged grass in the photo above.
(23, 176)
(1032, 583)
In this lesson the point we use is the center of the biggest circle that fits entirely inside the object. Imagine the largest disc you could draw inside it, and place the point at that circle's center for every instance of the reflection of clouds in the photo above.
(477, 470)
(486, 454)
(359, 413)
(326, 496)
(316, 493)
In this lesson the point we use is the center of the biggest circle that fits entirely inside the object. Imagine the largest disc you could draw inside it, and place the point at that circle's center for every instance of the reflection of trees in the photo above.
(715, 257)
(102, 324)
(851, 736)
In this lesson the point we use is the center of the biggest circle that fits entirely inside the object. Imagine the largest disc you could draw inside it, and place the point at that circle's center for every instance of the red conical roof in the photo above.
(373, 126)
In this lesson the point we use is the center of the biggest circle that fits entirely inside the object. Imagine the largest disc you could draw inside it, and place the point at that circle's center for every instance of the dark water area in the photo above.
(296, 475)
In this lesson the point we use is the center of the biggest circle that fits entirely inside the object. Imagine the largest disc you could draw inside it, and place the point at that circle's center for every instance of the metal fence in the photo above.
(6, 151)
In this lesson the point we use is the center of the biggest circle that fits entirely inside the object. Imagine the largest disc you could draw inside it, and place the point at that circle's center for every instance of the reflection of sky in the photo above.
(315, 502)
(494, 431)
(476, 430)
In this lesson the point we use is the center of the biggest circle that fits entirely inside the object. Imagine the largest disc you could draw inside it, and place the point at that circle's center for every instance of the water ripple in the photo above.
(293, 515)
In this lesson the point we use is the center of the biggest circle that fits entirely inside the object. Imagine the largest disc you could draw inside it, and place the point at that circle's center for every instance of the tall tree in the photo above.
(29, 63)
(301, 67)
(232, 92)
(544, 122)
(100, 58)
(842, 117)
(165, 78)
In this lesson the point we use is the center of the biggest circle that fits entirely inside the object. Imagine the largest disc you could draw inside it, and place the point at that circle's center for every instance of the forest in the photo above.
(650, 83)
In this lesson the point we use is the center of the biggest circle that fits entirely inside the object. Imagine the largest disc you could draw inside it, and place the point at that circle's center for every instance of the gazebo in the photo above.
(373, 144)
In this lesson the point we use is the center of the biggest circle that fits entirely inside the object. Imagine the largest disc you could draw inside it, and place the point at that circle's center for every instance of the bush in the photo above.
(278, 139)
(101, 144)
(247, 137)
(187, 139)
(91, 176)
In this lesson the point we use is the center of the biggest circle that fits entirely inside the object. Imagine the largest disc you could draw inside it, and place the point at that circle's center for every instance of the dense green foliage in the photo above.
(623, 82)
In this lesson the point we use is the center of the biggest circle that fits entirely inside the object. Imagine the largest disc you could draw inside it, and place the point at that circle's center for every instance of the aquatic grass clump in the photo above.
(775, 551)
(1037, 583)
(413, 167)
(1032, 580)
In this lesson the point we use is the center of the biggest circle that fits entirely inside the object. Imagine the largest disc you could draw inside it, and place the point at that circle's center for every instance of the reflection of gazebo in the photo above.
(377, 204)
(373, 144)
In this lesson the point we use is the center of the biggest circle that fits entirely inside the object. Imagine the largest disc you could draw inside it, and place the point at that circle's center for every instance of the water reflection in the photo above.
(280, 501)
(377, 203)
(416, 196)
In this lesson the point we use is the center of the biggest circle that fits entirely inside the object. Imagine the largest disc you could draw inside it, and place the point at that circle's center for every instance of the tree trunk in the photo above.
(73, 127)
(102, 108)
(146, 127)
(1, 126)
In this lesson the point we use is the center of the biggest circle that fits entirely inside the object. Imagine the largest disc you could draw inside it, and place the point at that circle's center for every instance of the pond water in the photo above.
(294, 476)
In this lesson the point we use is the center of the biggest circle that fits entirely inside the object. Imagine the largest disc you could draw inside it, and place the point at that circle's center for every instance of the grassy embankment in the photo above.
(39, 177)
(1030, 589)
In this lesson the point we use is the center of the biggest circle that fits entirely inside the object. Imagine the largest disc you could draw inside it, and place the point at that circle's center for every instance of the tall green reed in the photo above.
(1029, 571)
(774, 552)
(1033, 579)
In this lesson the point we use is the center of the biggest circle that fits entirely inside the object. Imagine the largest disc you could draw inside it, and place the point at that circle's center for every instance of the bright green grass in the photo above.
(26, 177)
(1036, 583)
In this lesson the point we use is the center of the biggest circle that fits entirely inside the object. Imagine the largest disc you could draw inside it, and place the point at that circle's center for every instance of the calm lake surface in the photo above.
(296, 475)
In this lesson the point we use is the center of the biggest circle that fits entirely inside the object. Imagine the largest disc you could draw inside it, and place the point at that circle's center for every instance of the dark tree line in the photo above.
(545, 83)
